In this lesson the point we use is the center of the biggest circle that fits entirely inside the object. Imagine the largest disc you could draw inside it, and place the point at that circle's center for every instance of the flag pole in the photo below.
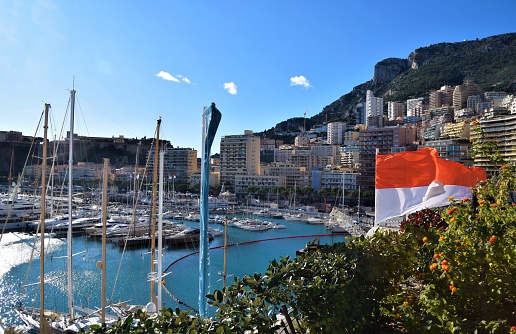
(211, 120)
(375, 197)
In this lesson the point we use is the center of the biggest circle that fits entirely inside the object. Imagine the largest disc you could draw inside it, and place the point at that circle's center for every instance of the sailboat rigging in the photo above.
(51, 321)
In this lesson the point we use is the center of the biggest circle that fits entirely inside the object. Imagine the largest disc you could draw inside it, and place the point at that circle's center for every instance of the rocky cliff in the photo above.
(388, 69)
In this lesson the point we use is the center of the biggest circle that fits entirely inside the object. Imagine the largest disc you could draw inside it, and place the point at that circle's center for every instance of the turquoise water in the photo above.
(127, 271)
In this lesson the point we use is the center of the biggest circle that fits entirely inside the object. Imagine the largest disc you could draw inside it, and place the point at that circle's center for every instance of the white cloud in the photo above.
(184, 79)
(166, 76)
(300, 81)
(230, 87)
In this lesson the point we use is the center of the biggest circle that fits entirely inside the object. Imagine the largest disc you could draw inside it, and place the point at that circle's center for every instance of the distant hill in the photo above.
(490, 62)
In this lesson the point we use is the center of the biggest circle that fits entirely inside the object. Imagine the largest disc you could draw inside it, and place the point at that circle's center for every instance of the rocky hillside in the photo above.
(490, 62)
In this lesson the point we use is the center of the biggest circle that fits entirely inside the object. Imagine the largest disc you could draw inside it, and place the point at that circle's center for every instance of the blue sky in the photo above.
(261, 62)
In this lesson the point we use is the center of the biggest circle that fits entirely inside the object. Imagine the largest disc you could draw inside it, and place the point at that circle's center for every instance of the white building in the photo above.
(374, 106)
(395, 110)
(336, 133)
(239, 155)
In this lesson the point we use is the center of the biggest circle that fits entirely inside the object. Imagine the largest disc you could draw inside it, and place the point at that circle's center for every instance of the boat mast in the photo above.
(70, 193)
(10, 177)
(44, 326)
(225, 272)
(104, 220)
(136, 189)
(160, 231)
(153, 215)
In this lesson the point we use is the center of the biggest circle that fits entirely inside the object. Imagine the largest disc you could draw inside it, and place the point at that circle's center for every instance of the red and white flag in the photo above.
(411, 181)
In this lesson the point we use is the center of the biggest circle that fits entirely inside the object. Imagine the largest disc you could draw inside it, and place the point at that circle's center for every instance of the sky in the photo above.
(261, 62)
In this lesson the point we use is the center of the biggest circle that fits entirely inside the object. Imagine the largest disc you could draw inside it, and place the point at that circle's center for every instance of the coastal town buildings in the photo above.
(319, 157)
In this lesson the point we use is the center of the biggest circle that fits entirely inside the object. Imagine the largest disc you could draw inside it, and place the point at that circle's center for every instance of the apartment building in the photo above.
(373, 107)
(261, 181)
(239, 155)
(324, 155)
(360, 113)
(395, 110)
(462, 92)
(180, 163)
(336, 133)
(290, 176)
(499, 126)
(301, 141)
(442, 97)
(415, 107)
(385, 140)
(453, 149)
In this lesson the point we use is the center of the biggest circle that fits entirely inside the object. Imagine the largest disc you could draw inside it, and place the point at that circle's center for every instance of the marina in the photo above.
(127, 270)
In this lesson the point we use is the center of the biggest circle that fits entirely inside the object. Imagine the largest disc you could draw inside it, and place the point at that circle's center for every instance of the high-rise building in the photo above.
(395, 110)
(442, 97)
(415, 107)
(462, 92)
(336, 133)
(386, 140)
(373, 107)
(360, 114)
(499, 126)
(239, 155)
(180, 164)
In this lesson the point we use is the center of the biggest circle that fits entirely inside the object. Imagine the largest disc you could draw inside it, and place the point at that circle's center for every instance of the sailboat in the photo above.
(49, 321)
(154, 277)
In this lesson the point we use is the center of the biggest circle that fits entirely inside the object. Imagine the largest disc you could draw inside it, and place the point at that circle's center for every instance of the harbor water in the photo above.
(127, 270)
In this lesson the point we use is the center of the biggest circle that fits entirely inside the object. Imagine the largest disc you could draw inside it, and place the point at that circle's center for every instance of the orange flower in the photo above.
(450, 198)
(466, 199)
(453, 289)
(433, 266)
(436, 256)
(405, 304)
(445, 262)
(513, 329)
(493, 205)
(452, 210)
(481, 202)
(425, 239)
(441, 238)
(445, 267)
(441, 254)
(493, 239)
(504, 167)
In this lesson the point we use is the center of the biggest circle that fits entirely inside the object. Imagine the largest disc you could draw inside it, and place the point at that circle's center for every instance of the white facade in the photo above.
(414, 107)
(261, 181)
(239, 155)
(395, 110)
(336, 133)
(374, 105)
